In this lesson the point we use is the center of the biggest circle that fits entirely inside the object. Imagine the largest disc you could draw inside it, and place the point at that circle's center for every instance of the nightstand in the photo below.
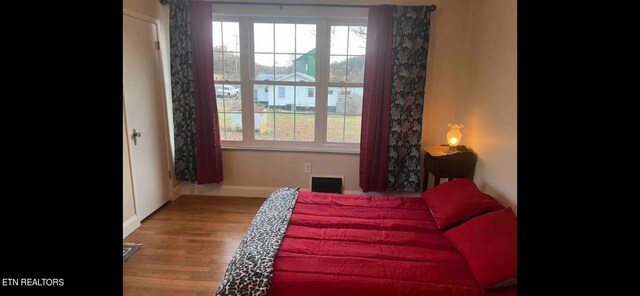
(458, 165)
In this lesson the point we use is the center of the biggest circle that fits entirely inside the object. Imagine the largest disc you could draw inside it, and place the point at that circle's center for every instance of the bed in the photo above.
(309, 243)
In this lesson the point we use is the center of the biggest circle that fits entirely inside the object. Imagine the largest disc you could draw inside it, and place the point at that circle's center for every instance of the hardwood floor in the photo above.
(187, 245)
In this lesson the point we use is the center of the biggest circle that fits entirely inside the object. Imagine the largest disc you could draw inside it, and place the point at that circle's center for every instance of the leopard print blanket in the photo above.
(251, 268)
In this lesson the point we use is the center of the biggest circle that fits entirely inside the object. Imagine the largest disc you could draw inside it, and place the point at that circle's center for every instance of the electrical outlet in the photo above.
(307, 167)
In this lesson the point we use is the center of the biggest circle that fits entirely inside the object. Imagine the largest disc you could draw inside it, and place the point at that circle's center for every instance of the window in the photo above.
(226, 76)
(346, 76)
(277, 61)
(283, 53)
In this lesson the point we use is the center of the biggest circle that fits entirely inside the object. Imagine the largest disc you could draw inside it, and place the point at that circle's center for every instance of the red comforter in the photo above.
(369, 245)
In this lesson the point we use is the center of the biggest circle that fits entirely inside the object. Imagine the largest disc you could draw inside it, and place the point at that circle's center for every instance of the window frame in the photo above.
(247, 82)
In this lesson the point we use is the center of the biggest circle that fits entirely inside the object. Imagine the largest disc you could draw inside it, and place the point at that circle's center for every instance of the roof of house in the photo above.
(313, 51)
(282, 77)
(265, 76)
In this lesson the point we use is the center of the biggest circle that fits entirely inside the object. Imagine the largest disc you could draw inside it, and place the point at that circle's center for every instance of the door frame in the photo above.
(165, 122)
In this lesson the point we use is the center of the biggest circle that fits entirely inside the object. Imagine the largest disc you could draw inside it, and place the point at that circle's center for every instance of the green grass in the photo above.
(290, 127)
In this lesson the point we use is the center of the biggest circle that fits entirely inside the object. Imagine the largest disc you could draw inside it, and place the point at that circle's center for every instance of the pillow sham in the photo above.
(457, 201)
(489, 243)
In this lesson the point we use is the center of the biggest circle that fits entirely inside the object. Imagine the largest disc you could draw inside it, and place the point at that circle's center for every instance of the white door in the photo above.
(144, 113)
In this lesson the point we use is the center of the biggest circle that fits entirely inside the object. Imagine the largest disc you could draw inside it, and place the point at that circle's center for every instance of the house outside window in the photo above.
(317, 67)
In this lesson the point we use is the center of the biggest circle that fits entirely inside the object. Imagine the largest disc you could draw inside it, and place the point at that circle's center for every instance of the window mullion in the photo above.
(295, 76)
(245, 82)
(322, 76)
(344, 111)
(275, 89)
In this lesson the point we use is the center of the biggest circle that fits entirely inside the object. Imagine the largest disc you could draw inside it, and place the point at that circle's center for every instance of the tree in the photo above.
(288, 68)
(360, 31)
(227, 63)
(355, 68)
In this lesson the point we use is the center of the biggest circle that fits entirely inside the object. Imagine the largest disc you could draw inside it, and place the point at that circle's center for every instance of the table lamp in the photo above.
(454, 135)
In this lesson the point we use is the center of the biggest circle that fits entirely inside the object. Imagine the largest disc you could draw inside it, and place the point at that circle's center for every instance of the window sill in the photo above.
(290, 149)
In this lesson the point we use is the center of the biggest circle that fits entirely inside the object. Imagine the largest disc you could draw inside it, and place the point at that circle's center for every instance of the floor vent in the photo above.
(326, 184)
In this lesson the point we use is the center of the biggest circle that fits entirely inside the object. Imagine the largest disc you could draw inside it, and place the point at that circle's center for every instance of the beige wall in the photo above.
(490, 107)
(472, 79)
(446, 77)
(277, 169)
(151, 8)
(128, 208)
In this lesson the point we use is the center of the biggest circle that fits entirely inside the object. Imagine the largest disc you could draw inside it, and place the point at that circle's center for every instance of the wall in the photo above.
(490, 107)
(278, 168)
(446, 77)
(472, 79)
(128, 208)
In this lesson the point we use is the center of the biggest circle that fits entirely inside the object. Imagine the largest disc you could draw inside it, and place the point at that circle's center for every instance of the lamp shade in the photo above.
(454, 135)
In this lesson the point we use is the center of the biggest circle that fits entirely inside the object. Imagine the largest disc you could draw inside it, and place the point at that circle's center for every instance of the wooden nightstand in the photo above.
(457, 165)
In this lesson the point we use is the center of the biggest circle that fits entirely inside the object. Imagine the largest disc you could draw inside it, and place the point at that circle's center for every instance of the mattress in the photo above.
(339, 244)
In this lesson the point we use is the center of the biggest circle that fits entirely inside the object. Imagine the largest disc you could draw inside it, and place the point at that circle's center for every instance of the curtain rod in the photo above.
(431, 7)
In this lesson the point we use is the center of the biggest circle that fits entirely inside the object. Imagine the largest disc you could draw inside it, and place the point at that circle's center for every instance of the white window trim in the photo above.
(247, 76)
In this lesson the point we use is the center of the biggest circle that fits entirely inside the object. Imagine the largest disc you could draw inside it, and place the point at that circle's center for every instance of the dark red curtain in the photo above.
(374, 139)
(208, 151)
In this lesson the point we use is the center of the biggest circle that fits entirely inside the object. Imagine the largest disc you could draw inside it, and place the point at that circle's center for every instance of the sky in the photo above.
(289, 39)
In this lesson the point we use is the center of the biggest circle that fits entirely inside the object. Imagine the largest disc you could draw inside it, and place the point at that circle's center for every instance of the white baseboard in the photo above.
(176, 192)
(130, 225)
(260, 191)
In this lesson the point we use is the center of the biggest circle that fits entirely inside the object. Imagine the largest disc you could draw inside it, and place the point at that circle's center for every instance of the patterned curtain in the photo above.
(184, 120)
(410, 48)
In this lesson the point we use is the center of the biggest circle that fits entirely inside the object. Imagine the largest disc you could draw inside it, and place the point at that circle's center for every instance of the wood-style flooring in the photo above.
(187, 245)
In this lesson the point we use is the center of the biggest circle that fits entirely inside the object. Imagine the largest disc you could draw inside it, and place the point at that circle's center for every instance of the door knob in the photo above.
(135, 136)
